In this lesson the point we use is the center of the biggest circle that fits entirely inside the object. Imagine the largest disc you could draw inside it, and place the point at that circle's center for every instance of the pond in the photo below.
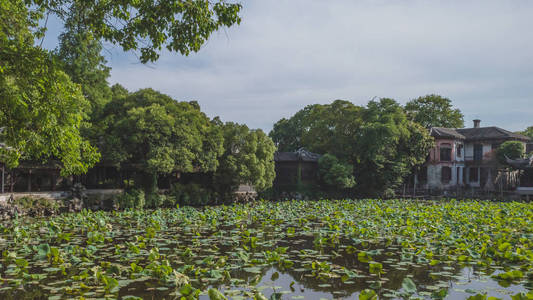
(329, 249)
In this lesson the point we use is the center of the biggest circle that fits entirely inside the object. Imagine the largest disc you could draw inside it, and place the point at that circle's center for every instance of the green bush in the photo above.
(133, 198)
(510, 149)
(28, 202)
(334, 173)
(155, 200)
(190, 194)
(35, 206)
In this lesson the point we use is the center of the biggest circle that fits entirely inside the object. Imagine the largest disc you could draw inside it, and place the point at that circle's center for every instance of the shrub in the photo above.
(155, 200)
(511, 149)
(334, 173)
(190, 194)
(34, 206)
(133, 198)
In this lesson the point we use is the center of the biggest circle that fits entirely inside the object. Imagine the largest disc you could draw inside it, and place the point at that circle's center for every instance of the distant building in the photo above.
(465, 157)
(296, 168)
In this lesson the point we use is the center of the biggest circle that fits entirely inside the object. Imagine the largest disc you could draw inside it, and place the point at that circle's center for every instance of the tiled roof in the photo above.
(491, 133)
(301, 154)
(481, 133)
(440, 132)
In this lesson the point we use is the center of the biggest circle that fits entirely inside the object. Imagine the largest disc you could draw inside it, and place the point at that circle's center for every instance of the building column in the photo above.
(3, 175)
(29, 181)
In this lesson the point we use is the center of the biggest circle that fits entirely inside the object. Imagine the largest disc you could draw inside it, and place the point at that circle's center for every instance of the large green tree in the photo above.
(41, 110)
(248, 158)
(378, 141)
(80, 53)
(434, 111)
(528, 132)
(156, 135)
(147, 26)
(287, 133)
(334, 173)
(389, 147)
(327, 128)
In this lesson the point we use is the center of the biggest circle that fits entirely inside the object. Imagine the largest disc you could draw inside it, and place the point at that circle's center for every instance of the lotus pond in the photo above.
(340, 249)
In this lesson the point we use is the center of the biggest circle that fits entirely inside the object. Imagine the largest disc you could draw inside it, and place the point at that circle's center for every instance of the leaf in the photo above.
(375, 268)
(215, 294)
(478, 297)
(274, 276)
(368, 295)
(408, 285)
(440, 294)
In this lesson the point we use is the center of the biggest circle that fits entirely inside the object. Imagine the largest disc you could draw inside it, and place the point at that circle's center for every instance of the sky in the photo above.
(287, 54)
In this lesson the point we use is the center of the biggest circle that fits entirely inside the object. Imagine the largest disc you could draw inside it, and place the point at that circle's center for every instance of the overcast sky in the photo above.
(288, 54)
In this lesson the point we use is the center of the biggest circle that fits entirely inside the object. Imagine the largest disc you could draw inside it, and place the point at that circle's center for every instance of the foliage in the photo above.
(334, 173)
(345, 248)
(248, 158)
(378, 140)
(528, 132)
(434, 111)
(369, 139)
(287, 133)
(148, 26)
(80, 53)
(37, 206)
(41, 109)
(510, 149)
(158, 135)
(133, 198)
(189, 194)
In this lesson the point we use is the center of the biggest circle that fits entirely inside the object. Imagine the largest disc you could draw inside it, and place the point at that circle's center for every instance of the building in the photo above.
(294, 169)
(465, 157)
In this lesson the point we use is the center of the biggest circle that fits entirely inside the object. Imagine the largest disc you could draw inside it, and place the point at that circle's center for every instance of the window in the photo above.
(446, 174)
(460, 150)
(445, 152)
(473, 176)
(478, 152)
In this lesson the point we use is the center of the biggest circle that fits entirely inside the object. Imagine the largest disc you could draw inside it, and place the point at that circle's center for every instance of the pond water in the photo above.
(278, 258)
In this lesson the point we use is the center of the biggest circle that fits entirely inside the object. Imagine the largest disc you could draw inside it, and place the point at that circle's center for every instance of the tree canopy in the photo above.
(80, 53)
(181, 26)
(41, 109)
(159, 134)
(248, 158)
(510, 149)
(528, 132)
(434, 111)
(334, 173)
(381, 144)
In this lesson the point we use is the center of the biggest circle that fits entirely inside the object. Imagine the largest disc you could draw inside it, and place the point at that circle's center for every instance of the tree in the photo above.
(287, 133)
(334, 173)
(147, 26)
(155, 134)
(80, 52)
(510, 149)
(378, 141)
(248, 158)
(434, 111)
(389, 147)
(328, 128)
(41, 110)
(528, 132)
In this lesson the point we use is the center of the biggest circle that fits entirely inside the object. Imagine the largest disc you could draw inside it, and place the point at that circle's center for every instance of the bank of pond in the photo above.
(331, 249)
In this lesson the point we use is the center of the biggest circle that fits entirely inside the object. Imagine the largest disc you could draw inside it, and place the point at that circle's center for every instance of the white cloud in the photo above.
(287, 54)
